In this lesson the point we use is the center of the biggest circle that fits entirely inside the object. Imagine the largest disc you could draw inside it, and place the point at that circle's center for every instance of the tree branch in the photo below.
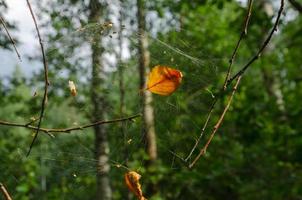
(10, 37)
(217, 125)
(46, 82)
(243, 33)
(5, 193)
(223, 89)
(70, 129)
(202, 130)
(263, 46)
(238, 78)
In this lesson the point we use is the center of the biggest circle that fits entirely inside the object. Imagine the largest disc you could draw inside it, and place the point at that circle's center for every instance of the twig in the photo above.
(27, 125)
(68, 130)
(46, 82)
(177, 156)
(203, 129)
(243, 33)
(223, 89)
(238, 77)
(263, 46)
(10, 37)
(217, 125)
(5, 192)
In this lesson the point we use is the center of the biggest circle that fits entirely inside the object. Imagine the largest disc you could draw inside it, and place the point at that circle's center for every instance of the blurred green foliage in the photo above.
(255, 155)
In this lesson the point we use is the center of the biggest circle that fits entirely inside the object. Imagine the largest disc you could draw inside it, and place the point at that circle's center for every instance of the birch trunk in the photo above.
(103, 189)
(144, 61)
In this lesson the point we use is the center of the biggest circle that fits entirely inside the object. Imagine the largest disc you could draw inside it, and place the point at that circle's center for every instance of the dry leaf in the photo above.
(132, 182)
(163, 80)
(72, 88)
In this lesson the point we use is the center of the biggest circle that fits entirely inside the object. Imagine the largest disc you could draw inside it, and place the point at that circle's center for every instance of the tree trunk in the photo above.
(148, 128)
(122, 89)
(271, 79)
(103, 189)
(144, 61)
(121, 81)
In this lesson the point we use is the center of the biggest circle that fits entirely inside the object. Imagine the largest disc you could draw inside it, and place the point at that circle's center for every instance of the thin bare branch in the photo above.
(177, 156)
(70, 129)
(46, 82)
(242, 35)
(10, 37)
(217, 125)
(223, 89)
(238, 77)
(5, 193)
(203, 129)
(263, 46)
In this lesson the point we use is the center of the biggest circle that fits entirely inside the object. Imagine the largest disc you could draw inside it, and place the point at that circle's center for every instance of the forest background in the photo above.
(107, 49)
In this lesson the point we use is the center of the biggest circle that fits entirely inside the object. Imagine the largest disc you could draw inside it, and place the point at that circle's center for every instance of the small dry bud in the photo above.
(72, 88)
(129, 141)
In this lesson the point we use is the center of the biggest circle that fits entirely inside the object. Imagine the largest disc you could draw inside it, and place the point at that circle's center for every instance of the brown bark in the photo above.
(4, 192)
(103, 188)
(144, 61)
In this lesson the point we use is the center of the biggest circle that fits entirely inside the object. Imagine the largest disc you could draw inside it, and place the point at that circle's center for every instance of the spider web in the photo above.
(72, 155)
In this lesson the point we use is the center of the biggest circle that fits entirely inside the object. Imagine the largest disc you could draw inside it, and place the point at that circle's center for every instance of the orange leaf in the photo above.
(132, 182)
(163, 80)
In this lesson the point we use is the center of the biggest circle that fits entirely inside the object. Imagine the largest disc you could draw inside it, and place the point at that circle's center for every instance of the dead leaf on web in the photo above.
(132, 182)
